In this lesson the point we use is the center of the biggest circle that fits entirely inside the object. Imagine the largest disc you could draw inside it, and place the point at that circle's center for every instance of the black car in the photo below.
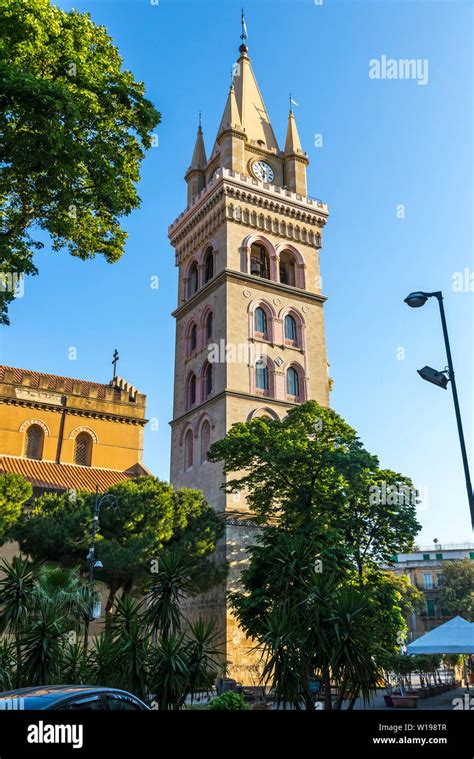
(71, 698)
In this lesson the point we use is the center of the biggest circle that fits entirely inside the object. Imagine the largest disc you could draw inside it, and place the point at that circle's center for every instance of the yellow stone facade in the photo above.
(248, 240)
(111, 419)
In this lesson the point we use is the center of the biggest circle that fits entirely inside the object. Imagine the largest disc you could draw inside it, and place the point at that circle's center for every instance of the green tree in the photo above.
(16, 592)
(313, 594)
(149, 516)
(311, 473)
(75, 126)
(14, 493)
(456, 583)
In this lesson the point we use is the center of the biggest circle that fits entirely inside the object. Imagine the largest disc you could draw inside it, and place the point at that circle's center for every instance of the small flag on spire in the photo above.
(293, 102)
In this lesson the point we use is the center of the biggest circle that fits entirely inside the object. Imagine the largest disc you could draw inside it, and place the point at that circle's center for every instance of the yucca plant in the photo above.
(7, 665)
(103, 660)
(16, 591)
(171, 584)
(43, 640)
(129, 632)
(169, 672)
(204, 656)
(74, 666)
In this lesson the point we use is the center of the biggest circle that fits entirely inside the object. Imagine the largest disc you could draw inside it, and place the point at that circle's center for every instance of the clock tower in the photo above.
(249, 319)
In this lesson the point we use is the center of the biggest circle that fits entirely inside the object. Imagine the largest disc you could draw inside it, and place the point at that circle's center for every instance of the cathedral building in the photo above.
(249, 321)
(67, 434)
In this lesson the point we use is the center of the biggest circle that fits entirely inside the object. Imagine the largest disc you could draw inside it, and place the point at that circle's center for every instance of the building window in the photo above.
(192, 339)
(188, 450)
(34, 442)
(193, 280)
(208, 380)
(439, 556)
(209, 265)
(205, 441)
(426, 557)
(261, 376)
(430, 607)
(209, 326)
(471, 555)
(261, 322)
(291, 333)
(83, 449)
(292, 383)
(191, 394)
(259, 262)
(287, 269)
(428, 581)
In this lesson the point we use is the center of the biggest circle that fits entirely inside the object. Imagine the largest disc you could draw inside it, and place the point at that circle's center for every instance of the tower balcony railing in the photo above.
(247, 180)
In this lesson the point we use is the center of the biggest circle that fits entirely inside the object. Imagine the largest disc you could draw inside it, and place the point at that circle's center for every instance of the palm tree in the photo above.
(171, 584)
(16, 589)
(204, 656)
(169, 672)
(7, 665)
(128, 630)
(43, 640)
(65, 589)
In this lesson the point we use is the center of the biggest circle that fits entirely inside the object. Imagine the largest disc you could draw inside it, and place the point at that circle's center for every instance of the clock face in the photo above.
(263, 171)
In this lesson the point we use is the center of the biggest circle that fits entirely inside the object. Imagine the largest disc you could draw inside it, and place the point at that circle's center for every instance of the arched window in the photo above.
(191, 390)
(192, 339)
(83, 449)
(292, 383)
(188, 450)
(208, 380)
(291, 332)
(261, 322)
(193, 280)
(261, 376)
(287, 268)
(34, 440)
(209, 326)
(259, 261)
(205, 440)
(209, 265)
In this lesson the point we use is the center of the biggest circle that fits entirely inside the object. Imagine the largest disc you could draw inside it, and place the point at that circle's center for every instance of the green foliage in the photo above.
(75, 126)
(229, 701)
(149, 518)
(310, 471)
(456, 583)
(313, 595)
(15, 491)
(43, 606)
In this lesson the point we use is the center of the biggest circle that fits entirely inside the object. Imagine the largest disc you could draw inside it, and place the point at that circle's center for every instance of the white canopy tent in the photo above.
(454, 637)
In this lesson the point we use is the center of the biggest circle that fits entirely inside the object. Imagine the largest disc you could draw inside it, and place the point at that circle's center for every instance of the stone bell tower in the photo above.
(249, 320)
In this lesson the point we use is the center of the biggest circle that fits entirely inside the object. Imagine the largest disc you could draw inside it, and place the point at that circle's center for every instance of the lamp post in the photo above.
(416, 300)
(91, 560)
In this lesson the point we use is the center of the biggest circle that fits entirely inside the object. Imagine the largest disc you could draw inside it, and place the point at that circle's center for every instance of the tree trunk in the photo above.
(326, 681)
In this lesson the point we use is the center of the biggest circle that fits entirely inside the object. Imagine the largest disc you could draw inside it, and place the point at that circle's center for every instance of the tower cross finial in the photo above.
(200, 120)
(114, 361)
(244, 35)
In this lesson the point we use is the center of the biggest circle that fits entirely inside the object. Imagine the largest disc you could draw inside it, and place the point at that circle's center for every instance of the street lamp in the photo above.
(92, 562)
(416, 300)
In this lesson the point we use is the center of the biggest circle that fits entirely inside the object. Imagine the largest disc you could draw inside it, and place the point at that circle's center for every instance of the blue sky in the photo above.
(386, 143)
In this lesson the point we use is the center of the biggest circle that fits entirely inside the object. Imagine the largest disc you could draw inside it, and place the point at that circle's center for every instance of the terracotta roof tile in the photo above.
(47, 474)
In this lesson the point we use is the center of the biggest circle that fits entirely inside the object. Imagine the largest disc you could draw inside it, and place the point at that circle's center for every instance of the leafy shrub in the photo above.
(229, 700)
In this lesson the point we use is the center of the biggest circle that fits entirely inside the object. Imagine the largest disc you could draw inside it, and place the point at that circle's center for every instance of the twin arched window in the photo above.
(209, 326)
(291, 332)
(261, 322)
(83, 449)
(208, 265)
(191, 391)
(292, 383)
(193, 282)
(188, 450)
(205, 444)
(34, 441)
(207, 386)
(261, 376)
(192, 339)
(259, 261)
